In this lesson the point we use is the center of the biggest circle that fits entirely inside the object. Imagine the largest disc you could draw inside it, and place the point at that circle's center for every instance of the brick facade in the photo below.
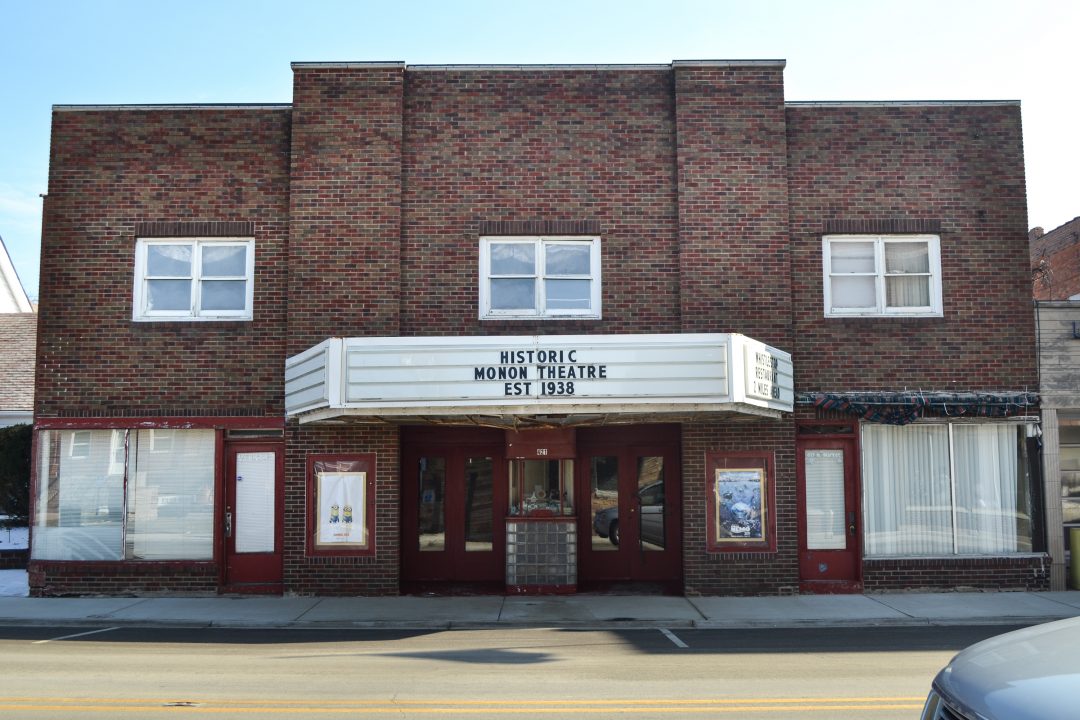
(306, 574)
(367, 198)
(739, 573)
(112, 170)
(539, 149)
(956, 170)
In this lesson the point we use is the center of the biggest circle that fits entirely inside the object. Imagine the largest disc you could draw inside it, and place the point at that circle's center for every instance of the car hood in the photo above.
(1028, 674)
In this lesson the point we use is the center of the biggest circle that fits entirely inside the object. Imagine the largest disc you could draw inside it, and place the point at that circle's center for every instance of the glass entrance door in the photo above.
(630, 526)
(453, 504)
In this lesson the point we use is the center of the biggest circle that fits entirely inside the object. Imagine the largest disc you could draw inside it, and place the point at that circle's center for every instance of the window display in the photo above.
(541, 488)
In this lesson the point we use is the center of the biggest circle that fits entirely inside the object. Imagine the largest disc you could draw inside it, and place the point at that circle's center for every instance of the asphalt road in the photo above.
(879, 673)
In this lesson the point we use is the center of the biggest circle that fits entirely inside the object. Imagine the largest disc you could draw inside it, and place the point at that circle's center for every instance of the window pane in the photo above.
(224, 295)
(992, 513)
(513, 294)
(852, 257)
(824, 473)
(224, 260)
(78, 514)
(1070, 484)
(479, 504)
(567, 259)
(853, 292)
(604, 494)
(513, 259)
(907, 499)
(911, 291)
(255, 516)
(650, 497)
(168, 260)
(168, 295)
(432, 519)
(171, 497)
(907, 257)
(568, 294)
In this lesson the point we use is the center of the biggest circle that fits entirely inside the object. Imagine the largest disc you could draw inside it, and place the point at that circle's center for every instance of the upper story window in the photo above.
(194, 279)
(539, 277)
(882, 275)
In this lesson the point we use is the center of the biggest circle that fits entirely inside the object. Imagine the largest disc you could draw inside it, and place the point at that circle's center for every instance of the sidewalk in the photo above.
(573, 611)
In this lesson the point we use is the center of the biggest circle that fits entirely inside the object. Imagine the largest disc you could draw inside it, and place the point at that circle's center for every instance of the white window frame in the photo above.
(81, 444)
(540, 309)
(881, 309)
(140, 313)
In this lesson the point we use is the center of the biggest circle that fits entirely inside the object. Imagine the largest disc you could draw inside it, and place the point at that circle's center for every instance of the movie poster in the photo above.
(340, 510)
(740, 510)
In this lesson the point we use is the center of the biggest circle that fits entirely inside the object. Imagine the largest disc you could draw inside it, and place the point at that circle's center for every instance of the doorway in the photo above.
(454, 490)
(830, 558)
(630, 518)
(252, 525)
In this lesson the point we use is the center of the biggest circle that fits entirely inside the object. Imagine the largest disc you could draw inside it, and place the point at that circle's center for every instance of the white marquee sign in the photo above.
(513, 375)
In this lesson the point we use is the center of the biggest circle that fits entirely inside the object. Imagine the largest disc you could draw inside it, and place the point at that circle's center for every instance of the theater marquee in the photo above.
(531, 375)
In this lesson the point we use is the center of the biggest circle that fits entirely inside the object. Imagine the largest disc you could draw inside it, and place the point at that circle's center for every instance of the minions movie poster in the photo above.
(341, 508)
(739, 508)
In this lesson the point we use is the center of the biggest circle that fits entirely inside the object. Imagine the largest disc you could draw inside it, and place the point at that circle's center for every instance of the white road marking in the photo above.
(673, 638)
(68, 637)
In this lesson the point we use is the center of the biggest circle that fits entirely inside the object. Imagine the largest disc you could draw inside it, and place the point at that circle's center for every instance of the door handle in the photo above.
(228, 524)
(851, 524)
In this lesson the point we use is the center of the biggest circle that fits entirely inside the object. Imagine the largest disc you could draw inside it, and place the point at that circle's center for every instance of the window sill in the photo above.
(545, 318)
(175, 319)
(880, 316)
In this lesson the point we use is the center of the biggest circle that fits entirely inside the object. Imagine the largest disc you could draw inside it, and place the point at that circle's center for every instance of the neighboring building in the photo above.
(18, 334)
(536, 329)
(1055, 271)
(1055, 262)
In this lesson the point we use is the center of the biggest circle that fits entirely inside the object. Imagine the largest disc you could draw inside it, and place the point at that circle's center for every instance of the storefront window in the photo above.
(1070, 477)
(542, 488)
(945, 489)
(166, 496)
(171, 496)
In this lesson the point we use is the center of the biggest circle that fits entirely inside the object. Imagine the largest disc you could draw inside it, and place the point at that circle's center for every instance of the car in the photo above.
(651, 499)
(1029, 674)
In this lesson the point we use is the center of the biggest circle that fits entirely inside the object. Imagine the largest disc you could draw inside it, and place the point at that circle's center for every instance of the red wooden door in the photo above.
(829, 528)
(252, 518)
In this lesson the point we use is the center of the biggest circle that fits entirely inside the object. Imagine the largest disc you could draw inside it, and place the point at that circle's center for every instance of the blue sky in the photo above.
(194, 51)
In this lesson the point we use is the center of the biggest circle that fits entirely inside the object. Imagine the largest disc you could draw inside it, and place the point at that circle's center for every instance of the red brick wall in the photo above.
(57, 579)
(1055, 262)
(113, 169)
(345, 223)
(567, 151)
(741, 573)
(959, 168)
(1030, 573)
(342, 575)
(733, 253)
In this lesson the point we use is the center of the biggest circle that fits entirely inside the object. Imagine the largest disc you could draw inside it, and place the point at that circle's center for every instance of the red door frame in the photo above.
(832, 571)
(630, 563)
(255, 573)
(453, 565)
